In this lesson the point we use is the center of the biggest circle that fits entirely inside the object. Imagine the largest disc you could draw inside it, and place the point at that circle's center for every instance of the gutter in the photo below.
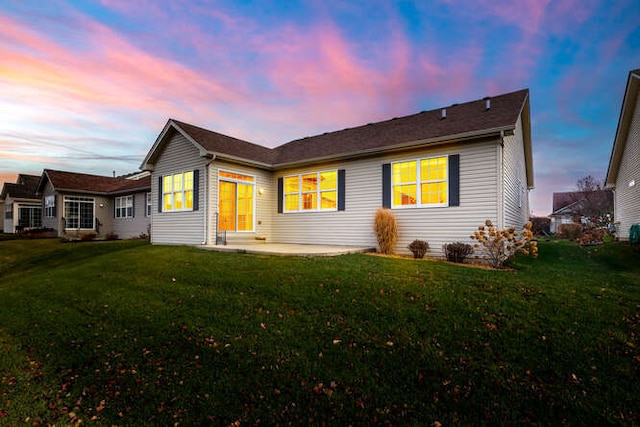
(449, 139)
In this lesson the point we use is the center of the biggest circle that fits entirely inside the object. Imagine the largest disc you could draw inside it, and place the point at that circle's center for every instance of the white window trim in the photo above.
(418, 183)
(85, 200)
(253, 202)
(119, 208)
(300, 192)
(184, 198)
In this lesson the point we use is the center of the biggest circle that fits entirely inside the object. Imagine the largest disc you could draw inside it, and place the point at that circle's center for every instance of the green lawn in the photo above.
(124, 333)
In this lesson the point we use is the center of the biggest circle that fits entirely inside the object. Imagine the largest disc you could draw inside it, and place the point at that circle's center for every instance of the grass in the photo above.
(124, 333)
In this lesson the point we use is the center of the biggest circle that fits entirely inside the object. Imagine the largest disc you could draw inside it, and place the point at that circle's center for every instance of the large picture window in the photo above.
(79, 213)
(235, 201)
(124, 207)
(316, 191)
(420, 183)
(177, 192)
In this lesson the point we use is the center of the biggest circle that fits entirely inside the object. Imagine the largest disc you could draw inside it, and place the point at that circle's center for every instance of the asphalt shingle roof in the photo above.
(466, 118)
(96, 184)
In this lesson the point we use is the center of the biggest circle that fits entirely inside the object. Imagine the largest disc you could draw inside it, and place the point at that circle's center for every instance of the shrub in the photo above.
(386, 229)
(571, 231)
(87, 237)
(594, 236)
(111, 236)
(457, 252)
(419, 248)
(502, 245)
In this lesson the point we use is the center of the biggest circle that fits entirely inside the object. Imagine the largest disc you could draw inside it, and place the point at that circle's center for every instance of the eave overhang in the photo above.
(622, 130)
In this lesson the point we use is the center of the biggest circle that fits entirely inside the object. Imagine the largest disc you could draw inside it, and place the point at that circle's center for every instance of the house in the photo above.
(442, 172)
(22, 207)
(581, 207)
(623, 175)
(76, 204)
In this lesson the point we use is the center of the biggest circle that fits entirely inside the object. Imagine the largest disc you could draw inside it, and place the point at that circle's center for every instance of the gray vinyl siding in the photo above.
(627, 196)
(264, 204)
(127, 228)
(437, 225)
(9, 206)
(55, 222)
(516, 195)
(180, 228)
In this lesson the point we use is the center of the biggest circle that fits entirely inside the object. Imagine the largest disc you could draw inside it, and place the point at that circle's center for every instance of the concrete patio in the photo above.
(288, 249)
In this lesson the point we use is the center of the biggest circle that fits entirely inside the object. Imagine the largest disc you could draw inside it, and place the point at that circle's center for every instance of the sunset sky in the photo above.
(88, 86)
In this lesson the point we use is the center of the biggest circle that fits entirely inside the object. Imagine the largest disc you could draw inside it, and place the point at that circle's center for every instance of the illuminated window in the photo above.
(235, 201)
(177, 192)
(420, 182)
(317, 191)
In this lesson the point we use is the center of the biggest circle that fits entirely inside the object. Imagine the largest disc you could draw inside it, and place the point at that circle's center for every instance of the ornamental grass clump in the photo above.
(386, 229)
(419, 248)
(500, 246)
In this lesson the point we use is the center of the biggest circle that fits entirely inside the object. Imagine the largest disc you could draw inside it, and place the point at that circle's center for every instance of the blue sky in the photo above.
(87, 86)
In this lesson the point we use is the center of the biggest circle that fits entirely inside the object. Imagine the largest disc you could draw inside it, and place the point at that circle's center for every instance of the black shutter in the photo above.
(386, 185)
(454, 180)
(196, 189)
(55, 206)
(280, 194)
(341, 189)
(160, 194)
(133, 205)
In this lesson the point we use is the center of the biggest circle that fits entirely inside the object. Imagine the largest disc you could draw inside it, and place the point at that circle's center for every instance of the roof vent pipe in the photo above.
(444, 114)
(487, 103)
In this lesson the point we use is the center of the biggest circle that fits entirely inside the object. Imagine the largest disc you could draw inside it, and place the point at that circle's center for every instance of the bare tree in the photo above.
(595, 200)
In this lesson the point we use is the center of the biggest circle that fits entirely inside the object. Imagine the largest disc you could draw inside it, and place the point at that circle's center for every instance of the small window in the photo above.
(311, 192)
(50, 206)
(420, 183)
(149, 204)
(124, 207)
(177, 192)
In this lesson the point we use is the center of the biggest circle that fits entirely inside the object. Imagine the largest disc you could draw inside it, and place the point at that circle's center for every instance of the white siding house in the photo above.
(623, 175)
(441, 174)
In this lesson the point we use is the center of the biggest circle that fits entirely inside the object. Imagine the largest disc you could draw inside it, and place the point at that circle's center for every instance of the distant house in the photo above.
(75, 204)
(21, 206)
(580, 207)
(623, 175)
(442, 173)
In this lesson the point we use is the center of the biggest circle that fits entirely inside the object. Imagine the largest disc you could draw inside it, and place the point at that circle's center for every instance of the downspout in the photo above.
(206, 199)
(500, 212)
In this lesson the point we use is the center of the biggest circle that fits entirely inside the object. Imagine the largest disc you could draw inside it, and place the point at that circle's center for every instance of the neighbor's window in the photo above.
(148, 204)
(50, 206)
(124, 207)
(316, 191)
(177, 192)
(421, 182)
(79, 213)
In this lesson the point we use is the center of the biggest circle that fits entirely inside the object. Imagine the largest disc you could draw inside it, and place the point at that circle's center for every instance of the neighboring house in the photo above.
(580, 207)
(76, 204)
(442, 173)
(22, 208)
(623, 175)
